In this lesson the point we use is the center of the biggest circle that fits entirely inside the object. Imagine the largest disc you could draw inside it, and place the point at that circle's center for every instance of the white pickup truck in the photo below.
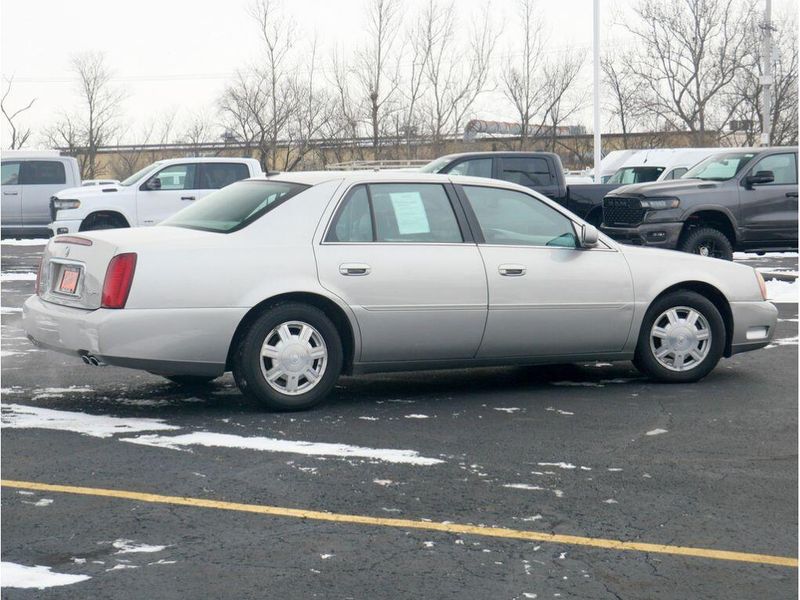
(147, 197)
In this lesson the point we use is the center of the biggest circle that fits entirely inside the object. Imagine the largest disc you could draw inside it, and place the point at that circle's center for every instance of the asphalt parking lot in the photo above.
(605, 485)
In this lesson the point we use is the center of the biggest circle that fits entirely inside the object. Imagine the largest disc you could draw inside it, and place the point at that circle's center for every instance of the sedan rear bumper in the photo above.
(164, 341)
(753, 325)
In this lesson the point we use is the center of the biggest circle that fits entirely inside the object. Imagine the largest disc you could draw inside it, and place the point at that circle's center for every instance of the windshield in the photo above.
(719, 167)
(636, 175)
(234, 206)
(137, 176)
(436, 165)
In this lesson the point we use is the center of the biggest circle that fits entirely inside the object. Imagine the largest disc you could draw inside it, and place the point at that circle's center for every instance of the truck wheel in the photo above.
(681, 339)
(103, 221)
(707, 241)
(290, 358)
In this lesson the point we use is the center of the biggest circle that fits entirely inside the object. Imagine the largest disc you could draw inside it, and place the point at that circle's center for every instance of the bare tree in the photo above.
(562, 100)
(745, 96)
(626, 102)
(198, 130)
(691, 50)
(66, 134)
(520, 79)
(454, 76)
(101, 106)
(19, 133)
(376, 68)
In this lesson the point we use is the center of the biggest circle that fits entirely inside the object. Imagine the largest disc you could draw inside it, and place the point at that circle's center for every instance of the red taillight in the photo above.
(39, 278)
(119, 277)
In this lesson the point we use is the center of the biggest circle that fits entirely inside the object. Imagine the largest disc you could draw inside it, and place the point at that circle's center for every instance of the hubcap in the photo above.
(680, 338)
(293, 358)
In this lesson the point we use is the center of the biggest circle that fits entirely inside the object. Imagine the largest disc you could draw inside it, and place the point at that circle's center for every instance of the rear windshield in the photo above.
(234, 206)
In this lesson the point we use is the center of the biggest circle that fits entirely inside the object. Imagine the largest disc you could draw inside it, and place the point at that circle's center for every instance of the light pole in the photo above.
(596, 40)
(766, 78)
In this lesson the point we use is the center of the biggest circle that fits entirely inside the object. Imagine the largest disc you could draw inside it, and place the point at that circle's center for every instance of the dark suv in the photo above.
(738, 199)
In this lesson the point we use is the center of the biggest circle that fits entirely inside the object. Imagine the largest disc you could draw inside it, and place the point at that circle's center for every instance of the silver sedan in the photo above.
(291, 280)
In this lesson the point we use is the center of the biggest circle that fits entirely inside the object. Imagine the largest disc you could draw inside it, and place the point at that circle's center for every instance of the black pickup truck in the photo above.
(738, 199)
(540, 171)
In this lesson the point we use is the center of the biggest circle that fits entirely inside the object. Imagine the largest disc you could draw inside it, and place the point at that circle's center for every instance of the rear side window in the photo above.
(214, 176)
(43, 172)
(235, 206)
(529, 172)
(396, 212)
(10, 173)
(511, 218)
(476, 167)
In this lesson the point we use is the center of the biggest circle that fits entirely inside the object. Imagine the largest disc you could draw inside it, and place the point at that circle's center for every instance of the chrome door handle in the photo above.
(788, 194)
(354, 269)
(187, 197)
(512, 270)
(9, 193)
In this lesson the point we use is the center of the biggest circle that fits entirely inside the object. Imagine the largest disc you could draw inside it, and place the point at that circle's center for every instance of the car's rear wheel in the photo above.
(681, 339)
(290, 358)
(707, 241)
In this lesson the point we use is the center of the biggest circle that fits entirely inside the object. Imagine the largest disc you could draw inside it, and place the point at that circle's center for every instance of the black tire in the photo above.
(644, 358)
(190, 380)
(707, 241)
(103, 221)
(247, 361)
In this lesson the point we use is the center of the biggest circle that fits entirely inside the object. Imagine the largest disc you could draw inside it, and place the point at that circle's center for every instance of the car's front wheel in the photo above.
(290, 358)
(681, 339)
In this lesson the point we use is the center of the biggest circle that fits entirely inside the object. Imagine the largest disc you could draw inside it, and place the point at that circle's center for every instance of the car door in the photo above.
(165, 193)
(769, 210)
(547, 296)
(11, 207)
(400, 255)
(214, 176)
(41, 180)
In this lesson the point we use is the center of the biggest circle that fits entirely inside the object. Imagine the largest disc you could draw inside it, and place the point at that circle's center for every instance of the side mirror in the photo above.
(589, 236)
(153, 184)
(759, 178)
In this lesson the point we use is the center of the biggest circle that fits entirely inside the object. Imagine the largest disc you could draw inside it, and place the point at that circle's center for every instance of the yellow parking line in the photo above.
(495, 532)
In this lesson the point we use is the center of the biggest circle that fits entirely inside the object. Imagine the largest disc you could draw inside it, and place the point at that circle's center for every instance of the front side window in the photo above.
(720, 167)
(10, 173)
(214, 176)
(477, 167)
(782, 166)
(526, 171)
(235, 206)
(175, 177)
(511, 218)
(43, 172)
(676, 173)
(396, 212)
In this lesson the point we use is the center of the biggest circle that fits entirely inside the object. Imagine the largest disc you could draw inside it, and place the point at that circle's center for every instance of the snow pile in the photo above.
(38, 577)
(17, 416)
(225, 440)
(17, 276)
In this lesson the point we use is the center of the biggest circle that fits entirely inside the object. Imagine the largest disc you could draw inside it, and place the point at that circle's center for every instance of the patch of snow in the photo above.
(610, 501)
(73, 389)
(369, 418)
(17, 276)
(524, 486)
(417, 417)
(792, 341)
(17, 416)
(163, 562)
(117, 567)
(223, 440)
(25, 242)
(753, 255)
(78, 561)
(383, 482)
(529, 595)
(562, 556)
(428, 544)
(509, 410)
(41, 502)
(533, 518)
(782, 291)
(129, 546)
(7, 310)
(614, 469)
(391, 510)
(559, 411)
(5, 353)
(326, 556)
(656, 432)
(602, 364)
(560, 465)
(25, 493)
(20, 576)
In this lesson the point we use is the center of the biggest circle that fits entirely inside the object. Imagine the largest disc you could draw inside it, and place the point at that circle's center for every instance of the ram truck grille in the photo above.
(622, 212)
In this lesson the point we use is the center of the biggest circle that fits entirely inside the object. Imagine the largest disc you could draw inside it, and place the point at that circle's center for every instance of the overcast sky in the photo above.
(177, 54)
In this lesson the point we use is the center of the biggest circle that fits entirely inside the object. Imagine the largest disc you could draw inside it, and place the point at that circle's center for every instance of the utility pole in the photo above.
(596, 39)
(766, 77)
